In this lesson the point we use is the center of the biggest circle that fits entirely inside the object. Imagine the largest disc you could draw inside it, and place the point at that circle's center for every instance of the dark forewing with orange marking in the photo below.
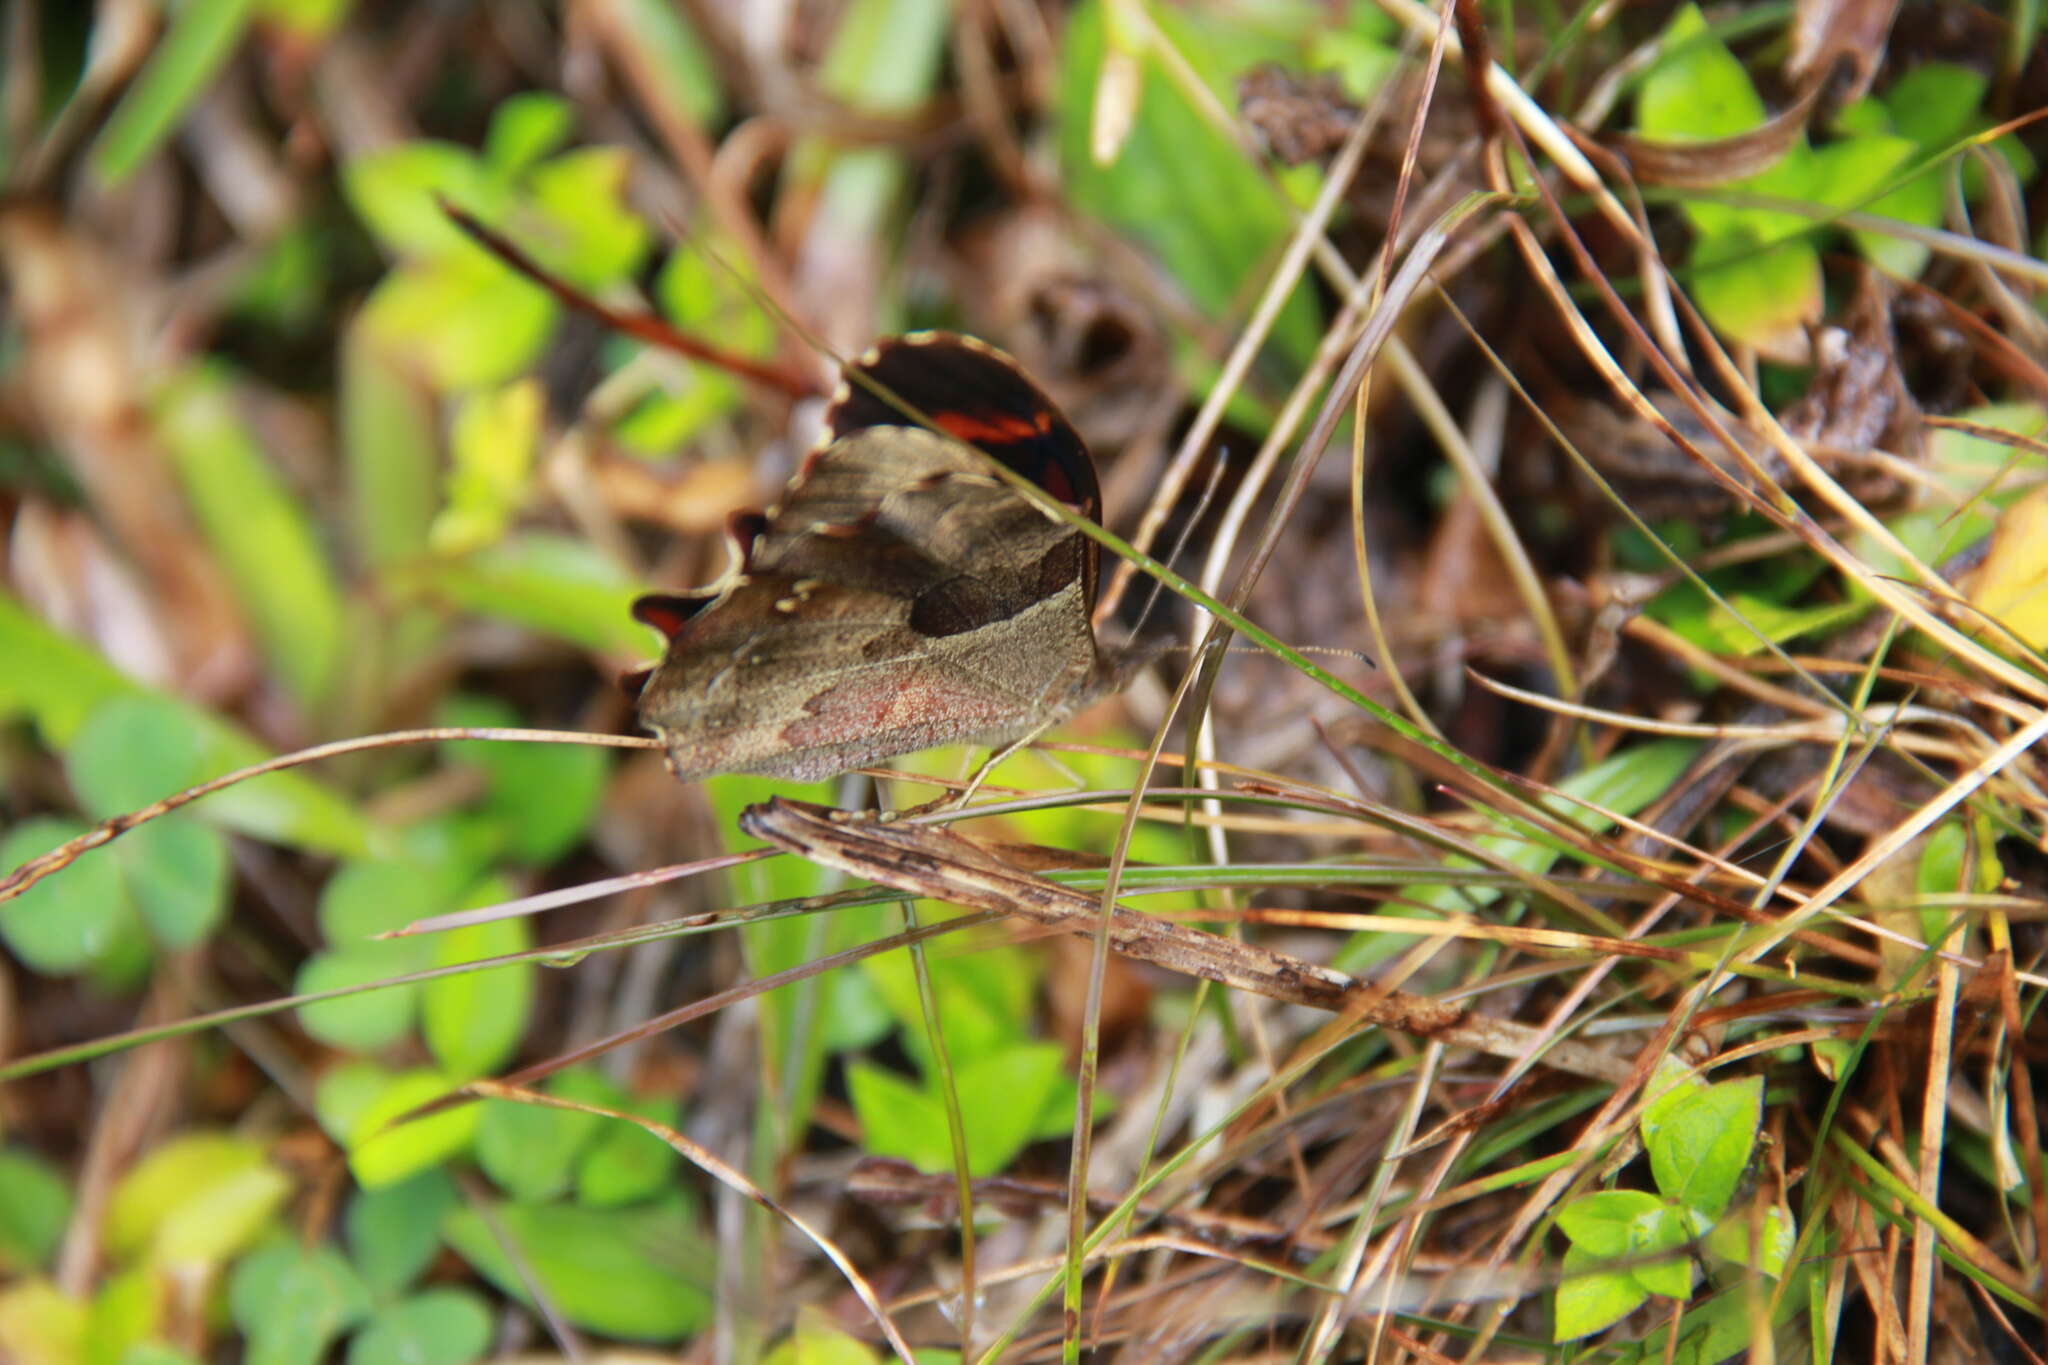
(974, 392)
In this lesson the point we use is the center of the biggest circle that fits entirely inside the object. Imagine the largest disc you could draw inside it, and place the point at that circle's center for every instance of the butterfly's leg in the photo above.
(953, 801)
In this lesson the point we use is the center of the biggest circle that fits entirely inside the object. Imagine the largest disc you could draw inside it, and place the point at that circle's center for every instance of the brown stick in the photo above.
(645, 326)
(928, 861)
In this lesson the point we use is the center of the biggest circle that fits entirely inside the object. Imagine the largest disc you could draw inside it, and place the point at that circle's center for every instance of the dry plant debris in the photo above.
(1568, 883)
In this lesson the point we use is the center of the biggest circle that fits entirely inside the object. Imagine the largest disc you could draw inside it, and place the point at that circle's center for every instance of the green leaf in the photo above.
(371, 1020)
(395, 1232)
(439, 1327)
(1671, 1084)
(1665, 1228)
(640, 1273)
(132, 751)
(1722, 1327)
(1953, 861)
(497, 433)
(397, 192)
(473, 1022)
(557, 585)
(818, 1340)
(35, 1206)
(257, 529)
(178, 874)
(234, 1212)
(1697, 91)
(50, 677)
(544, 795)
(390, 451)
(155, 1353)
(196, 1200)
(1746, 623)
(525, 128)
(58, 683)
(701, 297)
(1920, 202)
(344, 1094)
(463, 320)
(1767, 1246)
(898, 1118)
(1757, 295)
(530, 1150)
(627, 1163)
(372, 896)
(985, 997)
(308, 21)
(202, 36)
(585, 232)
(1599, 1224)
(1591, 1301)
(127, 1311)
(73, 919)
(383, 1152)
(1847, 173)
(1002, 1097)
(40, 1325)
(1187, 191)
(1699, 1152)
(291, 1301)
(1934, 103)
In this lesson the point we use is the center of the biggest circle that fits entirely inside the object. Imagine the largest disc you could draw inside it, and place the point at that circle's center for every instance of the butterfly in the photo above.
(899, 595)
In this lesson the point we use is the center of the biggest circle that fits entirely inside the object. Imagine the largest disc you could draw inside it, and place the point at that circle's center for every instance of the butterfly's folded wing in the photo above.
(899, 596)
(805, 679)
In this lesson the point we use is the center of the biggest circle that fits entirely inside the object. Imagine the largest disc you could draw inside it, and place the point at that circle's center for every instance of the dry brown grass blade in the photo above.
(924, 860)
(1697, 165)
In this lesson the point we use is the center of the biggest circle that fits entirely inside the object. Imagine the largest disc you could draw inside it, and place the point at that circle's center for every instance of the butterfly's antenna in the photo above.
(1187, 531)
(641, 324)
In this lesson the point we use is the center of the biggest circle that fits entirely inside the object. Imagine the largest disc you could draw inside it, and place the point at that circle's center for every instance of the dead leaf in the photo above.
(2012, 586)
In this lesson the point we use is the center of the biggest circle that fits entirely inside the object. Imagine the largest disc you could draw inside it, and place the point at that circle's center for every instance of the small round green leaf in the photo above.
(473, 1022)
(1599, 1224)
(72, 919)
(383, 1151)
(196, 1200)
(290, 1302)
(641, 1273)
(177, 871)
(367, 1022)
(530, 1150)
(627, 1163)
(393, 1233)
(1591, 1301)
(1699, 1152)
(35, 1204)
(1765, 1244)
(372, 896)
(132, 751)
(543, 795)
(439, 1327)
